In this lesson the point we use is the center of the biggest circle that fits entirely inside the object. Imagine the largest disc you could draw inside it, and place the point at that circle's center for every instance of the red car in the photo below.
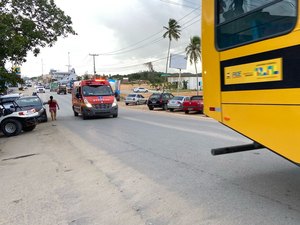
(194, 104)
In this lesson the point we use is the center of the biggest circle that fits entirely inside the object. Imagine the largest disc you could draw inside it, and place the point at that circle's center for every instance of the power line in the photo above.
(140, 64)
(119, 51)
(149, 37)
(154, 41)
(176, 3)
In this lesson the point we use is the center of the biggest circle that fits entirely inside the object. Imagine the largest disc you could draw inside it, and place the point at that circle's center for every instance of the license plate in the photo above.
(190, 109)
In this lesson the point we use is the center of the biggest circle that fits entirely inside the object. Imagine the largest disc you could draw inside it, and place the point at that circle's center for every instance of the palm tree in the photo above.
(193, 51)
(173, 31)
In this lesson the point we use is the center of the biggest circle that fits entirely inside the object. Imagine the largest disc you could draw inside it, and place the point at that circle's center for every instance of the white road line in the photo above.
(205, 133)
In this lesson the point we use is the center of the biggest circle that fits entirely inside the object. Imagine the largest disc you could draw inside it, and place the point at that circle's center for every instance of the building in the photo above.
(63, 77)
(191, 80)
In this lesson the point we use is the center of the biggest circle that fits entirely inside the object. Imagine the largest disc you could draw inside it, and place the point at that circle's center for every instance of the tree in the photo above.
(193, 51)
(173, 32)
(26, 26)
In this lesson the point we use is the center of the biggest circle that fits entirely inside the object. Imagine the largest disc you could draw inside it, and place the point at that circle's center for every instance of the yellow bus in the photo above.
(251, 71)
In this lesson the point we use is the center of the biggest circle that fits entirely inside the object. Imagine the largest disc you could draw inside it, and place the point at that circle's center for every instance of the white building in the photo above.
(63, 77)
(190, 78)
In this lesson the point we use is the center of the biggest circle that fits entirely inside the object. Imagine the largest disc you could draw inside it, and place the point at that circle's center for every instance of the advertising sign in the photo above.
(178, 61)
(262, 71)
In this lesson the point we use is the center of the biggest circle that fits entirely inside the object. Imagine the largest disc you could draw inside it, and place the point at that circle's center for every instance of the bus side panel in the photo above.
(210, 60)
(263, 97)
(274, 126)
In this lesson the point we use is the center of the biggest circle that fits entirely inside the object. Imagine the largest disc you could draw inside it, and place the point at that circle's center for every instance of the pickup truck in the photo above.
(195, 103)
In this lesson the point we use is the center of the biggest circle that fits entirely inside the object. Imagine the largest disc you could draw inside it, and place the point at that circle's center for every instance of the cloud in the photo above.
(107, 26)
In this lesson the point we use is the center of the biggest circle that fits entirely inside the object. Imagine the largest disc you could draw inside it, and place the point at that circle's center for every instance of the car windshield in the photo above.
(197, 98)
(97, 90)
(131, 95)
(154, 96)
(23, 102)
(180, 98)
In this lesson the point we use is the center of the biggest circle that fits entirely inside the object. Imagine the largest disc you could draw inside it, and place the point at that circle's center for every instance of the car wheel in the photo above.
(44, 117)
(126, 103)
(137, 103)
(186, 111)
(30, 128)
(115, 115)
(150, 107)
(11, 127)
(171, 110)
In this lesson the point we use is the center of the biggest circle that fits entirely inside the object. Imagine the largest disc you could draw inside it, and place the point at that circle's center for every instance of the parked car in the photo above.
(9, 97)
(25, 103)
(40, 89)
(140, 89)
(159, 100)
(29, 102)
(135, 99)
(15, 119)
(194, 104)
(176, 103)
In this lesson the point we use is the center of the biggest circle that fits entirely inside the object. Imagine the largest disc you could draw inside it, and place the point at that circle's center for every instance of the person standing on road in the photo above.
(52, 107)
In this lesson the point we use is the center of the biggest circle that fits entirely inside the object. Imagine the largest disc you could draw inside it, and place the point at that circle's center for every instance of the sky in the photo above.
(125, 34)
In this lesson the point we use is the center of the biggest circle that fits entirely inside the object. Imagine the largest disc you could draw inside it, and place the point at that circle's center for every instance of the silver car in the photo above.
(176, 102)
(135, 99)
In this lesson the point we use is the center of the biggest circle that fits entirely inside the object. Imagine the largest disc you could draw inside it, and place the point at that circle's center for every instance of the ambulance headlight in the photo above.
(87, 104)
(114, 103)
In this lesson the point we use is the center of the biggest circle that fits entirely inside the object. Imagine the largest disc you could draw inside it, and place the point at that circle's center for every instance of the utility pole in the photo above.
(69, 66)
(94, 61)
(42, 67)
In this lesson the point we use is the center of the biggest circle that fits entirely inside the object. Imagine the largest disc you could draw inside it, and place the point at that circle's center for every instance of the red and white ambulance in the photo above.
(92, 98)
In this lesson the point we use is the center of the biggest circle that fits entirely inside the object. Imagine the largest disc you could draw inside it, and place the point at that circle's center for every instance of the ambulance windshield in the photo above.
(95, 90)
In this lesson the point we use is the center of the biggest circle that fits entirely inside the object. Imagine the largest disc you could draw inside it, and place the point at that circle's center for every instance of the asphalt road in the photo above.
(172, 152)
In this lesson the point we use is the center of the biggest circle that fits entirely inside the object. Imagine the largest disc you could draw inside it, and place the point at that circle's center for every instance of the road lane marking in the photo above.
(206, 133)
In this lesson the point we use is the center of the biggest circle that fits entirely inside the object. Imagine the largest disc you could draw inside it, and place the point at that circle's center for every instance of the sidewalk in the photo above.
(47, 179)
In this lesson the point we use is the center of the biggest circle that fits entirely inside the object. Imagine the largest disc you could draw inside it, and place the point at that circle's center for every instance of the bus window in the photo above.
(245, 21)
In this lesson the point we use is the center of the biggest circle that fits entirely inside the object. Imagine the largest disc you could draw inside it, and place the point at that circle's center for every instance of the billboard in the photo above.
(178, 61)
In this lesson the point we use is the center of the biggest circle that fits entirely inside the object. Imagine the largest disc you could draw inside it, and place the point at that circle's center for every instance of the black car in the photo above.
(159, 100)
(29, 102)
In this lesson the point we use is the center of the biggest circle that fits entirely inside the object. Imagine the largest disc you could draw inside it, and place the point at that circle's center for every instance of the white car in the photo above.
(40, 89)
(140, 89)
(15, 119)
(135, 99)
